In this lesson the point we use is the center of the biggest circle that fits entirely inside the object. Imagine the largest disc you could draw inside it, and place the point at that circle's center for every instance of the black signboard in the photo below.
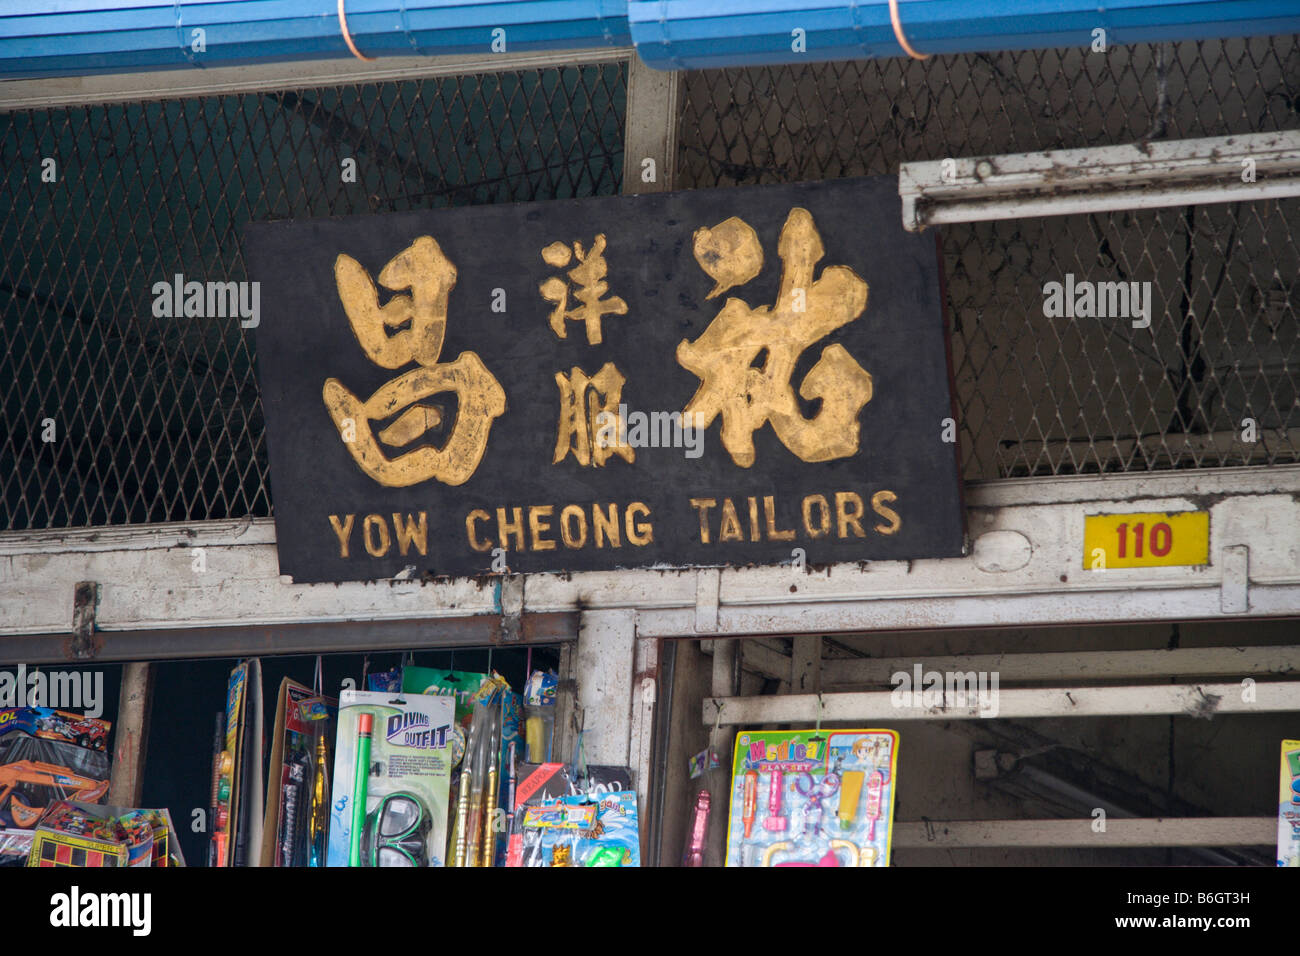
(715, 377)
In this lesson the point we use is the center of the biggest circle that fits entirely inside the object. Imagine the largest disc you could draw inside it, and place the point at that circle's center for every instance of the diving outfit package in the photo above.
(392, 772)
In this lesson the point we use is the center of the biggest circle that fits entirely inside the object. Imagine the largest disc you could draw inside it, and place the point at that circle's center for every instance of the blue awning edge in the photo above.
(49, 38)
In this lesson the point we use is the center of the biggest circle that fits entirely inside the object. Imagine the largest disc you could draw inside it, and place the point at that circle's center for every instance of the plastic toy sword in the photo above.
(699, 830)
(216, 782)
(320, 801)
(467, 771)
(510, 788)
(493, 788)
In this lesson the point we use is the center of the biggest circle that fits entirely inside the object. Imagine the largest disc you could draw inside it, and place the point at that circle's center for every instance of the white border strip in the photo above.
(222, 80)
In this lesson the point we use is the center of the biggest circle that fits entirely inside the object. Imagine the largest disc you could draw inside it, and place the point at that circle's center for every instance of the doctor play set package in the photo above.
(1288, 806)
(392, 770)
(812, 798)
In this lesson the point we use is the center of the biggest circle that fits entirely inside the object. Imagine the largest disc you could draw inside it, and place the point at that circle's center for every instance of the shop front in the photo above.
(529, 457)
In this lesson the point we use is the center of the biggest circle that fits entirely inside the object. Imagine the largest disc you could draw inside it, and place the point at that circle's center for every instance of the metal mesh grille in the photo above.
(1061, 396)
(151, 419)
(110, 415)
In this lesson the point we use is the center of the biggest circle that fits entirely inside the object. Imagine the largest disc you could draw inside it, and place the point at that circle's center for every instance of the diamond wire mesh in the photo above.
(1040, 396)
(159, 419)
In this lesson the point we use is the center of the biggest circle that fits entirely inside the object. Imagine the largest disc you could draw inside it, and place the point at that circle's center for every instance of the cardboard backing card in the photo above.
(238, 834)
(1288, 808)
(812, 798)
(291, 766)
(408, 777)
(540, 785)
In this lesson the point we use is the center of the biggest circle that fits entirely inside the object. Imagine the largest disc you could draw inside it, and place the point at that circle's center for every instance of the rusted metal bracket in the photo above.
(512, 608)
(84, 645)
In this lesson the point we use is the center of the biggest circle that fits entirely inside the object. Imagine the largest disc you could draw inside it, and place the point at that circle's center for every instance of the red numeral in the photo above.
(1161, 540)
(1161, 548)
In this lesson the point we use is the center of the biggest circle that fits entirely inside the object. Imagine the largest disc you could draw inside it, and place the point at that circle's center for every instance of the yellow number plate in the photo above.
(1146, 540)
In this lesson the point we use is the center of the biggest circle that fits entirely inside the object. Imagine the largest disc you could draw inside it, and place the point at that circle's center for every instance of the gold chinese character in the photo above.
(590, 424)
(429, 275)
(745, 359)
(589, 275)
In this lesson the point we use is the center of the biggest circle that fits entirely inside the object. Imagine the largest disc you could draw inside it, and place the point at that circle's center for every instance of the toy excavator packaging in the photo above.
(48, 755)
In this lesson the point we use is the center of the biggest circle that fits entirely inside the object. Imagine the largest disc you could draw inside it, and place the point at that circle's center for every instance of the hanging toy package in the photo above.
(812, 798)
(392, 767)
(705, 771)
(1288, 813)
(566, 817)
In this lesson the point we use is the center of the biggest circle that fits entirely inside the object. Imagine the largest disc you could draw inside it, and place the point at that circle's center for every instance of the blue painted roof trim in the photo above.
(76, 37)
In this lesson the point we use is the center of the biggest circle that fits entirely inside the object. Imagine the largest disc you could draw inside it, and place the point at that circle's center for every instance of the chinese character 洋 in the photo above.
(589, 275)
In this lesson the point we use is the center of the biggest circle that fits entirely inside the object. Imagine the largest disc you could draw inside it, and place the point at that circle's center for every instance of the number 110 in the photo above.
(1160, 542)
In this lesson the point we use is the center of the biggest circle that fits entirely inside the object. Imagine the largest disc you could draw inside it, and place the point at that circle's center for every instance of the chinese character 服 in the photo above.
(745, 359)
(590, 424)
(429, 276)
(589, 275)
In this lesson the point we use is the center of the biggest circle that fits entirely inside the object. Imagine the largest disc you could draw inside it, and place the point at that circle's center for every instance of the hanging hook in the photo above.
(580, 761)
(817, 732)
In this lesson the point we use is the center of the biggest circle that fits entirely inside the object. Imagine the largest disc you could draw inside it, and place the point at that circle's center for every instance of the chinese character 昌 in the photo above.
(429, 276)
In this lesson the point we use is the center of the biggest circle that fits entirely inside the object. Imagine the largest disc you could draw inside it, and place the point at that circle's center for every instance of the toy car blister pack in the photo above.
(812, 798)
(581, 831)
(64, 726)
(40, 764)
(590, 818)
